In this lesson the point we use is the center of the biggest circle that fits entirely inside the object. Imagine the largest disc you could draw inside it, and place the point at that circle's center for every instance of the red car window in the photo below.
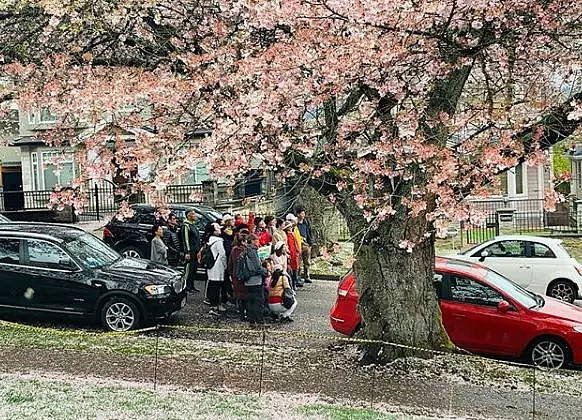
(466, 290)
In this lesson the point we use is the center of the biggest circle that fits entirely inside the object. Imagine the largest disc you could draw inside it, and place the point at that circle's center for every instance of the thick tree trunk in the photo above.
(398, 302)
(323, 217)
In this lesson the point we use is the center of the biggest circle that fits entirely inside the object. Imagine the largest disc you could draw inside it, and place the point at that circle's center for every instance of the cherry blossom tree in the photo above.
(395, 111)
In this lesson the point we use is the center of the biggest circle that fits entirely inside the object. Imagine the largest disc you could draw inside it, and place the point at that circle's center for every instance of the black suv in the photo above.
(62, 270)
(132, 237)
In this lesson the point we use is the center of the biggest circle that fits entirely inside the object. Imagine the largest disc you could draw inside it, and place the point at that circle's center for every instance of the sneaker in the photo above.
(221, 308)
(214, 311)
(287, 319)
(299, 284)
(206, 302)
(307, 280)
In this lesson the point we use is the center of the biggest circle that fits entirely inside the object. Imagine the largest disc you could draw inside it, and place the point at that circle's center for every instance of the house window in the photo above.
(196, 175)
(514, 177)
(34, 162)
(44, 116)
(520, 178)
(44, 176)
(504, 186)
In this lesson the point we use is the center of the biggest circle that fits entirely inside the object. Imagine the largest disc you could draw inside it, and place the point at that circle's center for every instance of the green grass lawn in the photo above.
(336, 264)
(25, 397)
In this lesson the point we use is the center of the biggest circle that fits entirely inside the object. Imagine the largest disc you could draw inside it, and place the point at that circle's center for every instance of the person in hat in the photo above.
(293, 220)
(293, 255)
(217, 271)
(280, 255)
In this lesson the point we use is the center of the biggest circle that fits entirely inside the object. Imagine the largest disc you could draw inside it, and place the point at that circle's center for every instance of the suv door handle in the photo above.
(525, 266)
(458, 315)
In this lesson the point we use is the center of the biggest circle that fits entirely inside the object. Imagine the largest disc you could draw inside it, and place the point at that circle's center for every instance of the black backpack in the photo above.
(208, 259)
(243, 273)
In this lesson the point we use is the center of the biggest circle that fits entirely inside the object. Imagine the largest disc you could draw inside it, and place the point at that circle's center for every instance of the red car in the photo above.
(483, 312)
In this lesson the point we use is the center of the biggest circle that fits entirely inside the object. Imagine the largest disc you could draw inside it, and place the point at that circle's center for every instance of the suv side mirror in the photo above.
(484, 254)
(503, 306)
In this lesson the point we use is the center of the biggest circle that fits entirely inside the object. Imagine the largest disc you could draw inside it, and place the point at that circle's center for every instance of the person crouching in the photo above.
(280, 282)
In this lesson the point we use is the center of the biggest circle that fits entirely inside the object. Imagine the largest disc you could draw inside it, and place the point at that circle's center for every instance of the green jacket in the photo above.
(189, 237)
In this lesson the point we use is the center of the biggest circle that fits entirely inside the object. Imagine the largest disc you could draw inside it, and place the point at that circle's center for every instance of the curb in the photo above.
(326, 277)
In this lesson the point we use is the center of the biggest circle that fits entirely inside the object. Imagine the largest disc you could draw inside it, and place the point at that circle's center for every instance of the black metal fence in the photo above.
(103, 199)
(519, 216)
(18, 200)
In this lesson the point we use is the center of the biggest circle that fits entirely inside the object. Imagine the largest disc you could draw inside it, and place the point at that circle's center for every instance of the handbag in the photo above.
(288, 298)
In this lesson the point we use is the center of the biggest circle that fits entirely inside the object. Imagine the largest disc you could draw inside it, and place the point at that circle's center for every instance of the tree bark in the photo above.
(398, 303)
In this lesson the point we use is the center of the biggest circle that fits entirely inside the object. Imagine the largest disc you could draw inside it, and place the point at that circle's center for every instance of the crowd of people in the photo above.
(257, 265)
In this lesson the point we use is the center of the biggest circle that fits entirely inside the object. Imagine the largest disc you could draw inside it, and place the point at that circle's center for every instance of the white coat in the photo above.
(216, 273)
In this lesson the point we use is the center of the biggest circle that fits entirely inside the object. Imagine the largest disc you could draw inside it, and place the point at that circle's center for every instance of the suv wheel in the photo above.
(131, 252)
(563, 290)
(120, 314)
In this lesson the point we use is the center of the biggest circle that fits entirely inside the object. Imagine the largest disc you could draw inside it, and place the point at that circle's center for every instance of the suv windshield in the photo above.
(527, 299)
(91, 252)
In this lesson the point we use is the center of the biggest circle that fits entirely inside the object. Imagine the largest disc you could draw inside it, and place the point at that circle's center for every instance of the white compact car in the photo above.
(539, 264)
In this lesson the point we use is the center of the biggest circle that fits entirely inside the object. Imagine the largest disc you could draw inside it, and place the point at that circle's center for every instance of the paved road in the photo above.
(312, 313)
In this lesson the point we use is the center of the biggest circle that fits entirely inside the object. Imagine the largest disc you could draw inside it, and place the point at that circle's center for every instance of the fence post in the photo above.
(462, 228)
(262, 363)
(156, 357)
(533, 402)
(97, 201)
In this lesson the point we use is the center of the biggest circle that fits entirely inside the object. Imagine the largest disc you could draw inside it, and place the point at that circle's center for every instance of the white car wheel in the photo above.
(563, 290)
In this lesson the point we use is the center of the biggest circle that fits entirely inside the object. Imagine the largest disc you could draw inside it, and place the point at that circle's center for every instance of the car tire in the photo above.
(132, 252)
(120, 314)
(563, 290)
(548, 353)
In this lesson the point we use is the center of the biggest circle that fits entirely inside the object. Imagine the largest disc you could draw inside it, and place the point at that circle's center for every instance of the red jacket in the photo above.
(264, 237)
(293, 251)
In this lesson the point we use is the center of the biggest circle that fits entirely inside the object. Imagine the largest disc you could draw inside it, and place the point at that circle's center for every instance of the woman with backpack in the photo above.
(214, 259)
(238, 286)
(280, 296)
(252, 273)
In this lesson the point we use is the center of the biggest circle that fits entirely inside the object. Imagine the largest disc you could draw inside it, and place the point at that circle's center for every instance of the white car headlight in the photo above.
(157, 289)
(578, 328)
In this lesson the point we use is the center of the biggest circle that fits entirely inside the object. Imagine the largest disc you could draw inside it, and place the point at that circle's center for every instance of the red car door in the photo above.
(473, 321)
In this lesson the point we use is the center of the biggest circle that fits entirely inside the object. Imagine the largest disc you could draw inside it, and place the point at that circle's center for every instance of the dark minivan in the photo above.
(132, 236)
(64, 271)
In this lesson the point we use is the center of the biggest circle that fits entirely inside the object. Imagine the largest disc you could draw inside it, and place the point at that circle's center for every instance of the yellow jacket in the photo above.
(277, 290)
(298, 237)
